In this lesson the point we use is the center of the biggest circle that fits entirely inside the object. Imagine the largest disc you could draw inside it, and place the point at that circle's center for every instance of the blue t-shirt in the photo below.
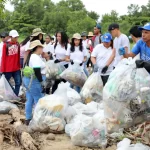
(143, 49)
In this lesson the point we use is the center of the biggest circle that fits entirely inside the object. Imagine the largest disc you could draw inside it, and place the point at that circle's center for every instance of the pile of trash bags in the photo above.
(50, 111)
(89, 131)
(53, 70)
(92, 89)
(75, 75)
(127, 96)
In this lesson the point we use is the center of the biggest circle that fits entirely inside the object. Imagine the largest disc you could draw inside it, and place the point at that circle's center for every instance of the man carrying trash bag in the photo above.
(142, 47)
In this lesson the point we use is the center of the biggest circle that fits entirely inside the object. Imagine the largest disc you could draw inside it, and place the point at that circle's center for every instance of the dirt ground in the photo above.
(61, 142)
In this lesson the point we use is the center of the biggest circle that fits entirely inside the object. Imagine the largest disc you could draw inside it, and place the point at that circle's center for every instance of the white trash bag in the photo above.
(71, 96)
(127, 98)
(49, 114)
(92, 89)
(5, 107)
(53, 70)
(6, 92)
(88, 131)
(125, 144)
(74, 74)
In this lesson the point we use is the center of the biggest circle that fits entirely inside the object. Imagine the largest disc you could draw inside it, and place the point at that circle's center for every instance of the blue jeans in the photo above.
(21, 62)
(85, 69)
(33, 94)
(17, 78)
(77, 88)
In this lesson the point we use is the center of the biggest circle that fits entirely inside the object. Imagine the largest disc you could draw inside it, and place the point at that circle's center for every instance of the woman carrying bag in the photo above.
(34, 77)
(59, 55)
(103, 56)
(76, 53)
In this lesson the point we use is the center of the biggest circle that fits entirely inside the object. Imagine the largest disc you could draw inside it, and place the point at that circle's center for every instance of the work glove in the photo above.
(143, 64)
(95, 68)
(139, 63)
(43, 84)
(81, 64)
(122, 51)
(71, 62)
(104, 70)
(57, 61)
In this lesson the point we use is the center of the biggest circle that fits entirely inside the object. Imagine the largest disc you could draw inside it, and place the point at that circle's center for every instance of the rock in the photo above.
(50, 137)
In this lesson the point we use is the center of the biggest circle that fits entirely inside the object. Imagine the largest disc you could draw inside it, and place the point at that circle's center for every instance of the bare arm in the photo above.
(110, 60)
(129, 55)
(93, 59)
(85, 58)
(67, 59)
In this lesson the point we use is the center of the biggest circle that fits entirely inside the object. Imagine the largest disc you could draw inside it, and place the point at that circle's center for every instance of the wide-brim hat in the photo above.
(77, 36)
(35, 44)
(37, 31)
(90, 34)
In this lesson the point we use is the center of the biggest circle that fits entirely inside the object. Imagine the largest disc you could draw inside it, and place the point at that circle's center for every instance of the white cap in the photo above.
(13, 33)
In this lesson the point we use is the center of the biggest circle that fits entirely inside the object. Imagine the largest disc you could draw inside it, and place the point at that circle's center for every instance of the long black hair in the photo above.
(72, 49)
(37, 38)
(64, 39)
(29, 55)
(24, 42)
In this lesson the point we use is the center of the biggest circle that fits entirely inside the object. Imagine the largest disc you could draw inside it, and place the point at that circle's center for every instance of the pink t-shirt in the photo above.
(22, 51)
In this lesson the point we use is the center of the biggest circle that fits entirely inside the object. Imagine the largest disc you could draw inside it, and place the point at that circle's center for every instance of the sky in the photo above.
(104, 6)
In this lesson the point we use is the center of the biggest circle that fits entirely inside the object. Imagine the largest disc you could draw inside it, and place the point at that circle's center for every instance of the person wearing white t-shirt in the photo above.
(48, 50)
(103, 56)
(59, 55)
(120, 41)
(35, 87)
(76, 53)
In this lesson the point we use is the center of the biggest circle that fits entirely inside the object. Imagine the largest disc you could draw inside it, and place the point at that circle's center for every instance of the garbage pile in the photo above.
(127, 96)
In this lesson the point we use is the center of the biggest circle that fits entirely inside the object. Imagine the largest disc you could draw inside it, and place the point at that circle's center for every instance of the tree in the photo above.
(133, 10)
(93, 15)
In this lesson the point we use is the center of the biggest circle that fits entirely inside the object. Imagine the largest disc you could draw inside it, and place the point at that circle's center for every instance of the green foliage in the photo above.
(67, 15)
(136, 16)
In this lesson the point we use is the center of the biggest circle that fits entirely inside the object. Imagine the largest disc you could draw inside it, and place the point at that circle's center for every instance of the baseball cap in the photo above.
(145, 27)
(98, 26)
(4, 34)
(83, 34)
(106, 37)
(13, 33)
(113, 26)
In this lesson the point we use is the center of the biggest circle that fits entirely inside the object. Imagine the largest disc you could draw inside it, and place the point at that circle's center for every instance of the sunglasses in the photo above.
(2, 37)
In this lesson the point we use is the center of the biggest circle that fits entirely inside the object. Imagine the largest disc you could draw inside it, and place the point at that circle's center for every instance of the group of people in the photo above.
(102, 51)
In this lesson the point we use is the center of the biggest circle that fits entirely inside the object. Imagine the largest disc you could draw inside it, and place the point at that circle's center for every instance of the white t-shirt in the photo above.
(102, 55)
(85, 44)
(121, 41)
(27, 46)
(60, 53)
(48, 48)
(37, 62)
(77, 55)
